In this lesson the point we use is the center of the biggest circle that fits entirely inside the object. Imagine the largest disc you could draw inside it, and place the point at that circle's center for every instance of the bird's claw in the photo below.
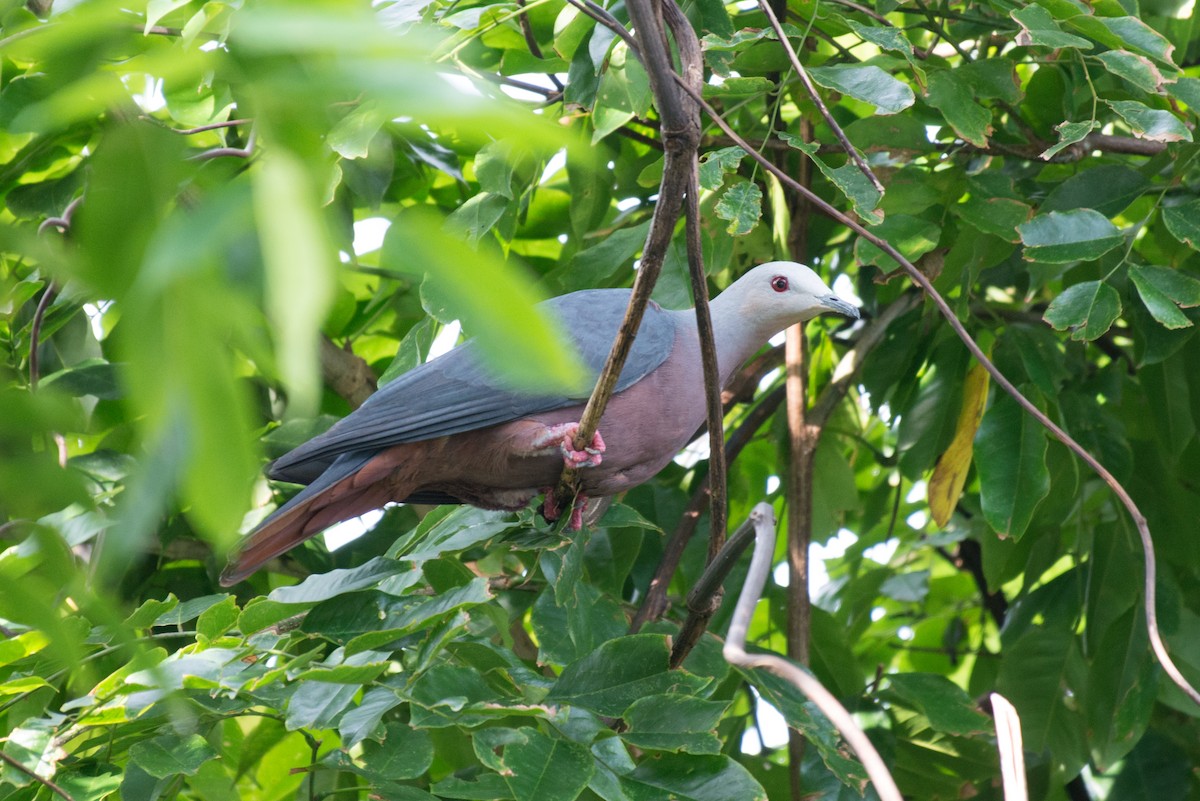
(562, 438)
(552, 511)
(590, 456)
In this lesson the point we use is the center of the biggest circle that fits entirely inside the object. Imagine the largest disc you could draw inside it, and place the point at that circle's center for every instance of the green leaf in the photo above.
(674, 723)
(457, 530)
(1187, 90)
(544, 767)
(322, 586)
(1121, 688)
(567, 633)
(1138, 70)
(315, 704)
(1178, 285)
(93, 377)
(715, 163)
(1061, 237)
(1157, 768)
(1183, 222)
(1038, 27)
(602, 260)
(22, 645)
(1148, 123)
(741, 204)
(947, 705)
(999, 216)
(171, 755)
(297, 254)
(953, 96)
(620, 672)
(1010, 455)
(157, 9)
(351, 137)
(1107, 188)
(691, 778)
(1087, 308)
(363, 720)
(477, 216)
(495, 301)
(1042, 675)
(849, 179)
(867, 83)
(1161, 305)
(1124, 31)
(912, 236)
(1068, 134)
(404, 753)
(624, 93)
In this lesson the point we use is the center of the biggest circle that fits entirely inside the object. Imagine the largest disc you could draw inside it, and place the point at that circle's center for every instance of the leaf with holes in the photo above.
(742, 206)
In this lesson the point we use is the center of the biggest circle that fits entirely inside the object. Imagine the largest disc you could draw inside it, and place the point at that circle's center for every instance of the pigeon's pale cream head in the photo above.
(778, 294)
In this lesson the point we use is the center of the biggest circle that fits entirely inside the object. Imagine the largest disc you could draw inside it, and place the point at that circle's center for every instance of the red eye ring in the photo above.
(779, 283)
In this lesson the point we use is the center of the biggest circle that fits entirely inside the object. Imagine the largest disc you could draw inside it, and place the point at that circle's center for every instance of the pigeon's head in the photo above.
(780, 293)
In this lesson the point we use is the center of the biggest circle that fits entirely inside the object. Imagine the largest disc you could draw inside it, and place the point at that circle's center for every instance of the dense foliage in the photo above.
(191, 190)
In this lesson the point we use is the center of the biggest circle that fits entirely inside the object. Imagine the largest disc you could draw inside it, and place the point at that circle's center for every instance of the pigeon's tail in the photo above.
(349, 488)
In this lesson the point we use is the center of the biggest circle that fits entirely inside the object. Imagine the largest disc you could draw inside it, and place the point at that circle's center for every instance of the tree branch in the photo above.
(681, 135)
(1156, 642)
(347, 373)
(762, 524)
(816, 97)
(42, 780)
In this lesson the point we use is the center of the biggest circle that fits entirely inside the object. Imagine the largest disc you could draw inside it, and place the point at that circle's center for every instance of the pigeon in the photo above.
(454, 431)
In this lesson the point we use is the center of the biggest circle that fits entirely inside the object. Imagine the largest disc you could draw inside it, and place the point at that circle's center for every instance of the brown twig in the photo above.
(532, 43)
(42, 780)
(202, 128)
(656, 594)
(346, 373)
(680, 139)
(35, 333)
(844, 376)
(227, 152)
(601, 15)
(1150, 576)
(816, 97)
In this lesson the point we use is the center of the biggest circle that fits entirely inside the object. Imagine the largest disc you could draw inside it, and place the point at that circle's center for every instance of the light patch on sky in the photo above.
(696, 451)
(882, 552)
(95, 314)
(772, 725)
(460, 82)
(446, 339)
(349, 530)
(369, 233)
(818, 552)
(844, 288)
(151, 98)
(556, 163)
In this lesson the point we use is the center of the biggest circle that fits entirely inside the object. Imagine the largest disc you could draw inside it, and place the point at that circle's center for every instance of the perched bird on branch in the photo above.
(451, 431)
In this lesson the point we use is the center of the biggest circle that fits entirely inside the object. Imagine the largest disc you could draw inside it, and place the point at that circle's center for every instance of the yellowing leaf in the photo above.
(950, 473)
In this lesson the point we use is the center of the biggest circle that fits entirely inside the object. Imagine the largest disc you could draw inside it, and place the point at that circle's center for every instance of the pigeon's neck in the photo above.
(738, 331)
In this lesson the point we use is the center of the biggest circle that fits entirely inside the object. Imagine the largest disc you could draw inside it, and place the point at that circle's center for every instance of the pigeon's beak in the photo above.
(834, 303)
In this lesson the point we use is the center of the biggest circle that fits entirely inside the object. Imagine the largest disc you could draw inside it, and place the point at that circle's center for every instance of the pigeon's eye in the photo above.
(779, 283)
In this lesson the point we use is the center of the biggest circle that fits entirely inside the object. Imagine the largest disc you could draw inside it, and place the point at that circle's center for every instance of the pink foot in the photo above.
(576, 521)
(551, 510)
(562, 437)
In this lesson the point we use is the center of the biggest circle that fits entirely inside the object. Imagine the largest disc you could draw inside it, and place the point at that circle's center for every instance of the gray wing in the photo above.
(456, 392)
